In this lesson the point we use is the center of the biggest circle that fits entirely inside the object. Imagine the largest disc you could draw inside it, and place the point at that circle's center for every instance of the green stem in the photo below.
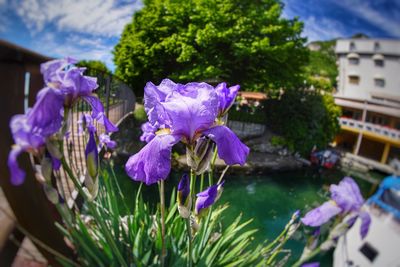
(310, 256)
(201, 182)
(212, 165)
(162, 207)
(189, 232)
(94, 212)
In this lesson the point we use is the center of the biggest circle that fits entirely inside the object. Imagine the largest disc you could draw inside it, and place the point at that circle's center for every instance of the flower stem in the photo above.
(162, 207)
(310, 256)
(189, 231)
(94, 212)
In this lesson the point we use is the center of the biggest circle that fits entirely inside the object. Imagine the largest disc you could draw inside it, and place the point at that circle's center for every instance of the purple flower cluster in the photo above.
(64, 85)
(183, 113)
(345, 199)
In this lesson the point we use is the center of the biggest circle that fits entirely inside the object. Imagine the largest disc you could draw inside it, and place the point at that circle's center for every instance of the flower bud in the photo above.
(208, 197)
(92, 157)
(199, 158)
(183, 197)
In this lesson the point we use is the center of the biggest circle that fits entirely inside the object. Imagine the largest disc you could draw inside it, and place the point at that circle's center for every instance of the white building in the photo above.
(369, 94)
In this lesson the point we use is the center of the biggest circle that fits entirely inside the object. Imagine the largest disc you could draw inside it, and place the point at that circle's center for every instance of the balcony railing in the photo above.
(374, 128)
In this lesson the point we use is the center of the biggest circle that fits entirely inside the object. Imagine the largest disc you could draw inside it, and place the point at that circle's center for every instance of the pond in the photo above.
(269, 199)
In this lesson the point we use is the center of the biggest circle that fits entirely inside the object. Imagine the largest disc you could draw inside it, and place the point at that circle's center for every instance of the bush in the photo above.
(304, 119)
(139, 114)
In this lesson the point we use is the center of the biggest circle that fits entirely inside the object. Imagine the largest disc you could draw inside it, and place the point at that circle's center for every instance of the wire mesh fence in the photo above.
(118, 100)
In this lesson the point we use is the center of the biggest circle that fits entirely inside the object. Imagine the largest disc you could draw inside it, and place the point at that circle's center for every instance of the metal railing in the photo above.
(119, 101)
(374, 128)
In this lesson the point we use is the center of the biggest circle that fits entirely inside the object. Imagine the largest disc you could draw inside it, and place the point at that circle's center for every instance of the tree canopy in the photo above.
(95, 65)
(244, 42)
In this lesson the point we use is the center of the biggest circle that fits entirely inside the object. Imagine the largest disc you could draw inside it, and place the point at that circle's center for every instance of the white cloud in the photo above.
(95, 17)
(316, 29)
(77, 47)
(388, 22)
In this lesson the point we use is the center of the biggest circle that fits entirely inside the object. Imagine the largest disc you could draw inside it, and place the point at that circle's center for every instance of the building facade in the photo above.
(368, 92)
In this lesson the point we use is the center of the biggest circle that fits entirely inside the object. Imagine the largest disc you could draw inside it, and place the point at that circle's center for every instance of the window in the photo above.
(354, 61)
(379, 62)
(354, 79)
(377, 47)
(379, 82)
(352, 46)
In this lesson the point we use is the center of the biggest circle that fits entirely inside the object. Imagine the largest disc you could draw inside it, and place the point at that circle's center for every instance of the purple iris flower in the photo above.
(72, 85)
(226, 97)
(148, 132)
(345, 199)
(183, 113)
(106, 141)
(208, 197)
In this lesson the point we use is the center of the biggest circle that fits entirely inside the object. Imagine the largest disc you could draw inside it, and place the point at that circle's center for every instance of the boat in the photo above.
(381, 246)
(324, 158)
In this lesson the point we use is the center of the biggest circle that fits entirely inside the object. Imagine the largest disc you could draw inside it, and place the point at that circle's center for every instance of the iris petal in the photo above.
(321, 214)
(153, 162)
(17, 174)
(347, 195)
(230, 148)
(365, 223)
(193, 113)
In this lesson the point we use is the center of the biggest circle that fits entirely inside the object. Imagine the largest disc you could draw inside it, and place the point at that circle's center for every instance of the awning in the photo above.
(378, 57)
(353, 55)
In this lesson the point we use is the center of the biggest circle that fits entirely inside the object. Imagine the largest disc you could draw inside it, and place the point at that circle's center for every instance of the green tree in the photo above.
(304, 118)
(238, 41)
(94, 65)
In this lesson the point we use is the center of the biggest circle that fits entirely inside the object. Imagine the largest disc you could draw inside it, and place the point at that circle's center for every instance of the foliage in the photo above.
(94, 65)
(240, 42)
(138, 238)
(321, 71)
(304, 119)
(139, 114)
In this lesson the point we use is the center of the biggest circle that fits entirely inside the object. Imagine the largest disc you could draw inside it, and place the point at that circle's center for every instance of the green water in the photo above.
(269, 199)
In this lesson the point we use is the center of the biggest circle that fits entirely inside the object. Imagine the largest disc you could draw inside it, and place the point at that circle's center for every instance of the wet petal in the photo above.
(321, 215)
(230, 148)
(347, 195)
(17, 174)
(192, 113)
(153, 162)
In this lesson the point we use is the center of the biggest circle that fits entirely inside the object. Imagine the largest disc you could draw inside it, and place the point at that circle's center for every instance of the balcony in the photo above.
(370, 127)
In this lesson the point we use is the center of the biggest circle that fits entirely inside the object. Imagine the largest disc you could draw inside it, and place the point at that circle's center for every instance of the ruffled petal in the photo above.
(17, 174)
(154, 96)
(321, 215)
(347, 195)
(193, 112)
(153, 162)
(230, 148)
(148, 132)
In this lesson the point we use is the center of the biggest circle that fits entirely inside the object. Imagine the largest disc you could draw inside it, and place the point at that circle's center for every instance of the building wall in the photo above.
(366, 69)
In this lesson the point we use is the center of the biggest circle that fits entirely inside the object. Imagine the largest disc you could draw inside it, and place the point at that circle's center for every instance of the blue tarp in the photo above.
(388, 196)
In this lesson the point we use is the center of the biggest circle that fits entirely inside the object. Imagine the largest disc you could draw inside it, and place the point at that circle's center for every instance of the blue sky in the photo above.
(89, 29)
